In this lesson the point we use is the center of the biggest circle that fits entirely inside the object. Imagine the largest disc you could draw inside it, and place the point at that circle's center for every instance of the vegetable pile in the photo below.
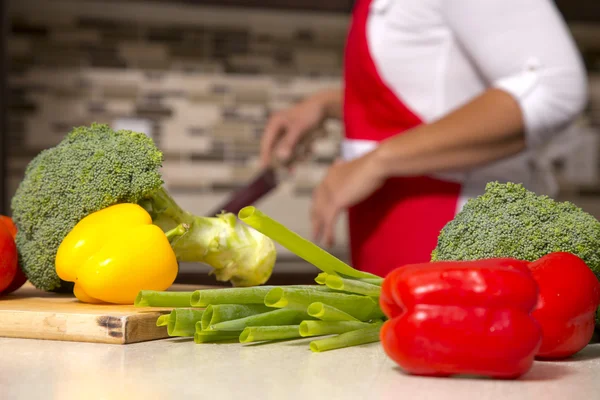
(93, 168)
(513, 278)
(345, 303)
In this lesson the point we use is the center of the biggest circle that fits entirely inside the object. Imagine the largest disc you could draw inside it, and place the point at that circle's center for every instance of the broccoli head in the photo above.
(511, 221)
(95, 167)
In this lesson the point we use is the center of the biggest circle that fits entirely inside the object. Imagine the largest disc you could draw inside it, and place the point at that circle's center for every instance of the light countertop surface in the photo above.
(178, 368)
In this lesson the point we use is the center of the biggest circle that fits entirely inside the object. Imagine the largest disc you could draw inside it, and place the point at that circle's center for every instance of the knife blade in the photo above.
(265, 181)
(258, 187)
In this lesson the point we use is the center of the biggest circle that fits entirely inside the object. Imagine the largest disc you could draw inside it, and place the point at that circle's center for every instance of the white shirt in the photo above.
(435, 55)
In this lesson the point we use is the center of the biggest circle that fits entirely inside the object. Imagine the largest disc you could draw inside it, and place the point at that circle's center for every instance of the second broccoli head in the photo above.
(95, 167)
(510, 221)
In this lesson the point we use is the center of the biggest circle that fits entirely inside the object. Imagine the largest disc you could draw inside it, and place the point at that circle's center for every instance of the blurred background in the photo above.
(201, 78)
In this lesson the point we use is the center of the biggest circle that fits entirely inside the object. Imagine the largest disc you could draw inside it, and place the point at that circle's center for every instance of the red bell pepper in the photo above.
(568, 299)
(8, 258)
(18, 278)
(8, 224)
(467, 317)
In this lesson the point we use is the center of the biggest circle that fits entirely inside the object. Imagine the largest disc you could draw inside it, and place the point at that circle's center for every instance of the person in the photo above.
(439, 97)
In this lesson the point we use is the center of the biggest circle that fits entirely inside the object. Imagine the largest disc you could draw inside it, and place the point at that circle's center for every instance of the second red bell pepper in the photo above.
(568, 300)
(467, 317)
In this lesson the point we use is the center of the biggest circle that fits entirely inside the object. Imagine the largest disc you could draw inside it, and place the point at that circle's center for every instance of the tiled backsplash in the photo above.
(201, 81)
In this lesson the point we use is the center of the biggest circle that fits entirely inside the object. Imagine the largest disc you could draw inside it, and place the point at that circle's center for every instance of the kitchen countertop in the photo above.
(178, 368)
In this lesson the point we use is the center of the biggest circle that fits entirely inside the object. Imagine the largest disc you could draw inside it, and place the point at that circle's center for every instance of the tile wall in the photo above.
(201, 81)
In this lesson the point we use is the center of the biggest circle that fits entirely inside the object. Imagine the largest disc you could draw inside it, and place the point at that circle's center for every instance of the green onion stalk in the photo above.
(325, 312)
(360, 307)
(155, 298)
(182, 321)
(268, 333)
(217, 313)
(348, 339)
(298, 245)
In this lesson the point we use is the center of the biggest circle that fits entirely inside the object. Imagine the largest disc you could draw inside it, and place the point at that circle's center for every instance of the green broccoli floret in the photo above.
(511, 221)
(95, 167)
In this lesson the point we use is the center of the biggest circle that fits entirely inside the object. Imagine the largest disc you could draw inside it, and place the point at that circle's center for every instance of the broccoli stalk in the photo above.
(95, 167)
(236, 252)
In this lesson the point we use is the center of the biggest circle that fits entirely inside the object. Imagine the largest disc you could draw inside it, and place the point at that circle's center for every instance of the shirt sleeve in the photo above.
(526, 49)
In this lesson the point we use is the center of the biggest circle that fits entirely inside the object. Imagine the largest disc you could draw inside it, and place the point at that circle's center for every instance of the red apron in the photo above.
(398, 224)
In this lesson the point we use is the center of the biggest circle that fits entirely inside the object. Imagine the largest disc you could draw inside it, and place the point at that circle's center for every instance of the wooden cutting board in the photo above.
(31, 313)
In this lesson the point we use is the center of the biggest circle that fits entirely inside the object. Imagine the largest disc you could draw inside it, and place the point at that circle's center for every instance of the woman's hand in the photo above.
(287, 128)
(346, 183)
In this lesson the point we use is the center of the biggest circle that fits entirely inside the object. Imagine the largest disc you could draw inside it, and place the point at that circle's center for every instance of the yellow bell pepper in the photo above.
(114, 253)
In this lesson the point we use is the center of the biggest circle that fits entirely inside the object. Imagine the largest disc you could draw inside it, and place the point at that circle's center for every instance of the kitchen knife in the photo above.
(266, 180)
(262, 184)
